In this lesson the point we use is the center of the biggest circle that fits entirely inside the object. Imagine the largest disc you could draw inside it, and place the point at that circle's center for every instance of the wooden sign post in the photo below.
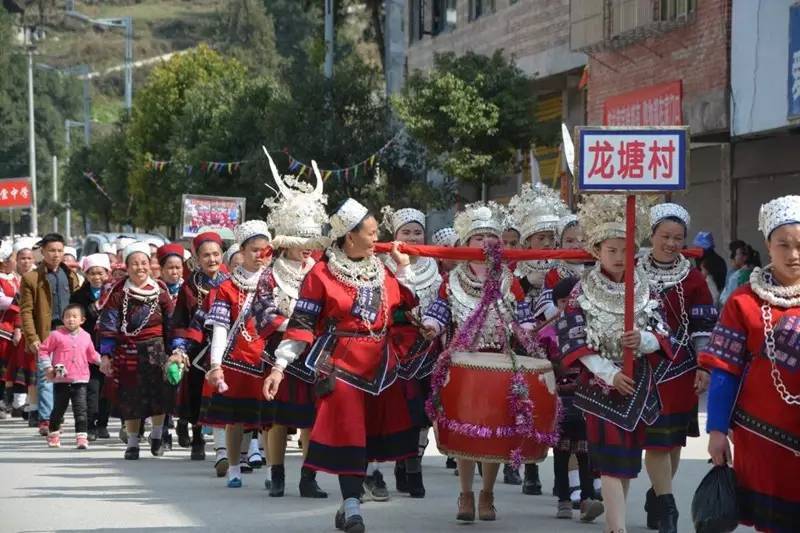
(631, 160)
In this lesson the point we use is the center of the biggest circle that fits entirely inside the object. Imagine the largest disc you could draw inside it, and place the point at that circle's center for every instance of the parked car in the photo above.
(93, 243)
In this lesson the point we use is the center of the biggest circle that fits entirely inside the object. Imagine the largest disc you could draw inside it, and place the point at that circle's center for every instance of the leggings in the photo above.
(561, 467)
(62, 394)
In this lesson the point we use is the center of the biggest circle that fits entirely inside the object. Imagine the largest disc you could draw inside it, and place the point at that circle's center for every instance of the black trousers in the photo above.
(561, 468)
(62, 394)
(97, 406)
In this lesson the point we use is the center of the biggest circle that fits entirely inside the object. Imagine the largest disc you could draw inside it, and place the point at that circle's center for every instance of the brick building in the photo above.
(534, 32)
(666, 62)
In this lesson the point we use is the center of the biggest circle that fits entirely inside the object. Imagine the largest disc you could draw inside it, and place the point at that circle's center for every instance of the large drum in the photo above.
(475, 395)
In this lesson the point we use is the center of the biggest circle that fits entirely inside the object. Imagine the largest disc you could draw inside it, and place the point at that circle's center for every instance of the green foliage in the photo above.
(183, 98)
(472, 113)
(247, 34)
(56, 98)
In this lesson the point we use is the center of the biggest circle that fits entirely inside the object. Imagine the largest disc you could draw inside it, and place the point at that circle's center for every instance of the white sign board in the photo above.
(627, 159)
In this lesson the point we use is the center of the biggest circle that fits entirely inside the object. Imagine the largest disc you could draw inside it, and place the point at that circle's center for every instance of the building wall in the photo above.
(536, 32)
(696, 53)
(759, 58)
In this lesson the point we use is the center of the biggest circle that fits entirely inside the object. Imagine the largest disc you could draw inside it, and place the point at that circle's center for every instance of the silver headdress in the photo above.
(778, 212)
(297, 212)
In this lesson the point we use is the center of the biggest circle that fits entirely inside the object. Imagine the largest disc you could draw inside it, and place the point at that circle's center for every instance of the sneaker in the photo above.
(234, 482)
(375, 487)
(102, 433)
(44, 428)
(564, 511)
(91, 435)
(575, 497)
(450, 464)
(82, 441)
(511, 476)
(591, 509)
(54, 439)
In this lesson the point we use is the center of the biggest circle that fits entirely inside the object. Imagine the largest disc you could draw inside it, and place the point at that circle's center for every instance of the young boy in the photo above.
(68, 351)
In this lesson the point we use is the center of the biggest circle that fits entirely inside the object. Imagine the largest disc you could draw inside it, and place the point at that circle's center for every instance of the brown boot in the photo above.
(486, 510)
(466, 507)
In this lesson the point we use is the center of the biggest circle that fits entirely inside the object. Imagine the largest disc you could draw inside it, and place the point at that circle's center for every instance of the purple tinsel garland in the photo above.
(519, 402)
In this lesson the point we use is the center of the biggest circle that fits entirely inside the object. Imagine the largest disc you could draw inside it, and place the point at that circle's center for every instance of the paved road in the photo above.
(67, 490)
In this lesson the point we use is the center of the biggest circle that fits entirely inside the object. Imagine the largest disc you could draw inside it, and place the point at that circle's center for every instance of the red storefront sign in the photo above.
(657, 105)
(15, 192)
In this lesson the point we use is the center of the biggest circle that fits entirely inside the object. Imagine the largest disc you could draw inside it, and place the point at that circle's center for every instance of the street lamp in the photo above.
(31, 133)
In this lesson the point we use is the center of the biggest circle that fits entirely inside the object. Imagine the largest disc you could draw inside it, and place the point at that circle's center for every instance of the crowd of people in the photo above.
(302, 326)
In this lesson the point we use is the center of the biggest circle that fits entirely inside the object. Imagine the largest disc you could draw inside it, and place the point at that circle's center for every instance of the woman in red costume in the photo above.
(688, 310)
(345, 309)
(754, 358)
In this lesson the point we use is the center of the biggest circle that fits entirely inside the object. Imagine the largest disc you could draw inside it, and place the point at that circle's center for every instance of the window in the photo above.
(444, 16)
(601, 24)
(479, 8)
(431, 17)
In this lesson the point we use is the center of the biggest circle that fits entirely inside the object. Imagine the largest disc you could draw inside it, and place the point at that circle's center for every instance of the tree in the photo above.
(247, 33)
(472, 113)
(56, 98)
(181, 99)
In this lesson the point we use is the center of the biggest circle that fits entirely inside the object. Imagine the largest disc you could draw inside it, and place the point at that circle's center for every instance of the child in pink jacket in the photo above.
(69, 350)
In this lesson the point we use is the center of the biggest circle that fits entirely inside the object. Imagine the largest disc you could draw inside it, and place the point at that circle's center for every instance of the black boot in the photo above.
(198, 444)
(511, 475)
(157, 447)
(278, 475)
(400, 481)
(651, 508)
(183, 433)
(308, 484)
(415, 487)
(668, 519)
(531, 484)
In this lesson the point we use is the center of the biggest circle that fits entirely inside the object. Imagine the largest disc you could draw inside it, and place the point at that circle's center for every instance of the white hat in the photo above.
(298, 210)
(251, 228)
(445, 237)
(565, 222)
(669, 210)
(6, 249)
(229, 253)
(25, 243)
(778, 212)
(96, 260)
(134, 247)
(536, 208)
(70, 250)
(347, 218)
(108, 248)
(122, 242)
(394, 220)
(479, 218)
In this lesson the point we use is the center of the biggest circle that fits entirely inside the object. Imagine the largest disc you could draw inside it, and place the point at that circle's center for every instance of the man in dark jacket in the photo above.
(45, 292)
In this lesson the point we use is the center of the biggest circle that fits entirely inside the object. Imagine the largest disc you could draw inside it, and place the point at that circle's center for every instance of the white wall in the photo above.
(759, 65)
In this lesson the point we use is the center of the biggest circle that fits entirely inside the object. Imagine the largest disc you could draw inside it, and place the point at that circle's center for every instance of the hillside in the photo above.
(160, 27)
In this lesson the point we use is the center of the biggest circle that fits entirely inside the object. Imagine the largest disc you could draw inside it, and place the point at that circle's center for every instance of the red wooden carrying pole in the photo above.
(630, 258)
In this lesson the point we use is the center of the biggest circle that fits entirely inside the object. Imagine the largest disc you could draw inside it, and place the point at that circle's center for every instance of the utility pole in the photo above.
(55, 191)
(394, 45)
(32, 140)
(329, 39)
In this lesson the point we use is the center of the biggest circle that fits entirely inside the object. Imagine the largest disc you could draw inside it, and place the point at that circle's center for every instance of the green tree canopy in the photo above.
(472, 113)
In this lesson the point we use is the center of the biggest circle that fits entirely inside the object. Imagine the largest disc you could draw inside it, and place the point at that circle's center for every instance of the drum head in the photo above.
(499, 361)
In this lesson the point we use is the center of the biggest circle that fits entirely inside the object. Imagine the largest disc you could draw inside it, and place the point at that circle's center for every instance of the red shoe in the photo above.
(44, 428)
(54, 439)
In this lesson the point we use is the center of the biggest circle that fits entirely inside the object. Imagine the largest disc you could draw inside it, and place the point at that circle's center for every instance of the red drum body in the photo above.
(476, 393)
